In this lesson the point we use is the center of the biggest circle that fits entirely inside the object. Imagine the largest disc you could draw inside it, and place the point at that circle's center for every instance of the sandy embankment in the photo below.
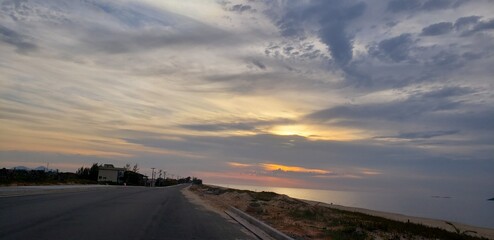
(303, 219)
(484, 232)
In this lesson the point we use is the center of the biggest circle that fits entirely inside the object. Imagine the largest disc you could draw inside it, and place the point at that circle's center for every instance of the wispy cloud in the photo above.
(343, 94)
(239, 165)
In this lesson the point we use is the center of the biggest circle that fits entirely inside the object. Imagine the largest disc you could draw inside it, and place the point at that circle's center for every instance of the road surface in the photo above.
(112, 213)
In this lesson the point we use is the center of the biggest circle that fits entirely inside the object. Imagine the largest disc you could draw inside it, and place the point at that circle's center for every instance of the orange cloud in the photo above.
(275, 167)
(251, 179)
(370, 172)
(239, 165)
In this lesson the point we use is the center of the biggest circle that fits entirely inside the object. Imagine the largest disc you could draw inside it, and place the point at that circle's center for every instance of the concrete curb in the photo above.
(260, 234)
(261, 225)
(31, 192)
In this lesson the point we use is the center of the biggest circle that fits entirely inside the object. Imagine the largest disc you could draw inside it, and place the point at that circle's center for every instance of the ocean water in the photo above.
(463, 209)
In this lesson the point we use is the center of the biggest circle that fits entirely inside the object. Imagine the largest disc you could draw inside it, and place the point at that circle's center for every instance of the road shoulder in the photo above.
(247, 228)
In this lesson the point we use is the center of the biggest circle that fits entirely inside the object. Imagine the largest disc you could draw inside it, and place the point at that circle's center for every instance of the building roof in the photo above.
(110, 167)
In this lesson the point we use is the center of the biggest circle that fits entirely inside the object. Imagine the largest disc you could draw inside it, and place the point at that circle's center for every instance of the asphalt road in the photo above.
(112, 213)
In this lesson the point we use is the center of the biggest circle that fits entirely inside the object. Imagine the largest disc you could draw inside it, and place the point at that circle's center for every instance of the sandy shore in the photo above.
(484, 232)
(305, 219)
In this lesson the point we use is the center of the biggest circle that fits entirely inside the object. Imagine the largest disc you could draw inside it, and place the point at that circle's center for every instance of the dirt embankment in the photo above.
(311, 220)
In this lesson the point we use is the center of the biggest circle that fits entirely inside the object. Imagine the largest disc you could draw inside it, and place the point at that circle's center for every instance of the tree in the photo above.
(93, 172)
(83, 172)
(127, 167)
(89, 173)
(197, 181)
(135, 168)
(133, 178)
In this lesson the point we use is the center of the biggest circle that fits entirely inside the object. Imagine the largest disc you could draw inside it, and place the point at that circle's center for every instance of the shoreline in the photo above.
(430, 222)
(305, 197)
(453, 227)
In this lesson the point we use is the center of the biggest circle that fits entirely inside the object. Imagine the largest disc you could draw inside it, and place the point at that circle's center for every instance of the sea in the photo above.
(469, 210)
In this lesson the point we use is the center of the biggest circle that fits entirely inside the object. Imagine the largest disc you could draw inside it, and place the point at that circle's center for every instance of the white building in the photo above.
(109, 173)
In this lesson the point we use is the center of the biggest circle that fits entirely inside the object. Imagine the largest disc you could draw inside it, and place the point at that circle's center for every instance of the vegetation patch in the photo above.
(263, 196)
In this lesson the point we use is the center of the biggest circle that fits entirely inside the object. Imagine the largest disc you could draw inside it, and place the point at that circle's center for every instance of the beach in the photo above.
(305, 219)
(436, 223)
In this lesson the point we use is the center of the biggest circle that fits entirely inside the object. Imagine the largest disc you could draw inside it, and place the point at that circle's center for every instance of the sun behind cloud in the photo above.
(285, 168)
(315, 132)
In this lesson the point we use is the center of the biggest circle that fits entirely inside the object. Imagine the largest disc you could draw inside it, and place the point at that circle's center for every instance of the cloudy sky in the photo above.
(341, 94)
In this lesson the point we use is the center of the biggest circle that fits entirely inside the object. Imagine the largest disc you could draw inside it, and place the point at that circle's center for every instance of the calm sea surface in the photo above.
(465, 209)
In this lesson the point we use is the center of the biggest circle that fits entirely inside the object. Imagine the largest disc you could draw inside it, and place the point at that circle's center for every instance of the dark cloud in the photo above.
(472, 124)
(402, 5)
(334, 35)
(17, 40)
(262, 81)
(396, 49)
(437, 29)
(446, 60)
(244, 82)
(466, 22)
(219, 127)
(244, 126)
(475, 118)
(298, 50)
(394, 111)
(341, 48)
(472, 56)
(331, 17)
(240, 8)
(446, 92)
(428, 5)
(354, 11)
(259, 64)
(484, 25)
(422, 135)
(411, 108)
(181, 144)
(471, 25)
(437, 4)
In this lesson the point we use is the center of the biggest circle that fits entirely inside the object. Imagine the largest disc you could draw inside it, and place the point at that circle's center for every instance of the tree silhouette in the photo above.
(135, 168)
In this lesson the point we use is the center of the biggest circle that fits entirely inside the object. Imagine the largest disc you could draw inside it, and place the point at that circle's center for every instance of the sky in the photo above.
(329, 94)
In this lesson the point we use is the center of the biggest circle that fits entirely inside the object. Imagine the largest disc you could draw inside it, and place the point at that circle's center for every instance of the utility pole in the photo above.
(152, 177)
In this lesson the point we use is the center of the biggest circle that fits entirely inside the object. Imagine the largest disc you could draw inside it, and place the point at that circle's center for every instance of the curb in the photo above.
(30, 192)
(261, 225)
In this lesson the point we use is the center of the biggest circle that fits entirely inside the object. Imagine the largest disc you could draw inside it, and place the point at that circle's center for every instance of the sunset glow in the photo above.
(317, 133)
(275, 167)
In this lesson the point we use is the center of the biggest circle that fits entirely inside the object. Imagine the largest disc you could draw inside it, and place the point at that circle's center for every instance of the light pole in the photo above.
(152, 177)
